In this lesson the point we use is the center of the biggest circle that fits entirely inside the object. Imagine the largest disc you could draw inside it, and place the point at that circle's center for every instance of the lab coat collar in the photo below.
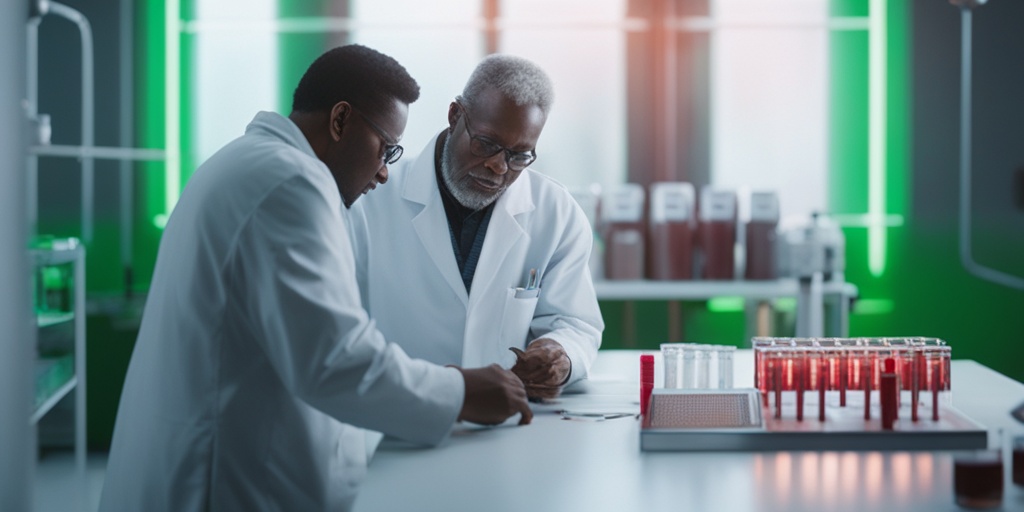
(504, 230)
(279, 126)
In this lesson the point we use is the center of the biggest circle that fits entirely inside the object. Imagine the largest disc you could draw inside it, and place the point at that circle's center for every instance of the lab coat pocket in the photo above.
(520, 305)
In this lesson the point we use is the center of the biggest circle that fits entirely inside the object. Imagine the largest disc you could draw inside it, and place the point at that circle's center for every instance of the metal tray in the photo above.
(674, 423)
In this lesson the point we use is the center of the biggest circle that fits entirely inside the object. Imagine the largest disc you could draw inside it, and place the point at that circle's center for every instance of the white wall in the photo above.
(236, 72)
(16, 332)
(769, 100)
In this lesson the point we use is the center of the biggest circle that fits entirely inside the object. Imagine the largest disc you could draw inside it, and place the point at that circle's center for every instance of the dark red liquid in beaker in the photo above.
(978, 481)
(671, 250)
(760, 253)
(624, 251)
(1018, 465)
(718, 241)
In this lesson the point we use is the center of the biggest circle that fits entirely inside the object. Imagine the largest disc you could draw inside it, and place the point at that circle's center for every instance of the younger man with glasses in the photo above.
(469, 252)
(255, 361)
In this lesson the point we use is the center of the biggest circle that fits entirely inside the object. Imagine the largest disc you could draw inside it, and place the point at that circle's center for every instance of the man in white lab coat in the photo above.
(470, 252)
(254, 347)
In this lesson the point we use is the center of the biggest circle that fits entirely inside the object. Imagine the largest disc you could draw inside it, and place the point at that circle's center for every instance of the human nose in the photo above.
(497, 163)
(382, 174)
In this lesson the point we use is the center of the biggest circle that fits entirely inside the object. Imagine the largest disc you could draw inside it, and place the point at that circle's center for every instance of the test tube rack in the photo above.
(888, 374)
(835, 394)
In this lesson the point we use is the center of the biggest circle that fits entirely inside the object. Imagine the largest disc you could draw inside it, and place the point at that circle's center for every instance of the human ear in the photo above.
(454, 112)
(339, 114)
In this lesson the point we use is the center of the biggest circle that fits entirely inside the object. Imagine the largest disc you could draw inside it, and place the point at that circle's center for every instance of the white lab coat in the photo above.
(254, 348)
(411, 284)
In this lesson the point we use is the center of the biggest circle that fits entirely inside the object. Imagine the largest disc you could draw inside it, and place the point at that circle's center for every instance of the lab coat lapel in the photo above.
(431, 224)
(503, 233)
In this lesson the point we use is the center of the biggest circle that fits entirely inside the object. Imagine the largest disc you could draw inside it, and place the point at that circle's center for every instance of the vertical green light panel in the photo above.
(874, 190)
(298, 48)
(149, 112)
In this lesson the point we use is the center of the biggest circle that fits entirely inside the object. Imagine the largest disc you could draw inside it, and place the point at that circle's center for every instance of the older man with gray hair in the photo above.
(469, 255)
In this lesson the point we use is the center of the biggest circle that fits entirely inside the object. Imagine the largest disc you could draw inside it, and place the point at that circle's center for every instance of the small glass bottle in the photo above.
(1018, 460)
(689, 377)
(725, 367)
(671, 356)
(978, 477)
(702, 354)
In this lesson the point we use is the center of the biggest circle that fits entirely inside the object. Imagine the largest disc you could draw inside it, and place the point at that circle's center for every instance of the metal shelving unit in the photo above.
(812, 294)
(66, 252)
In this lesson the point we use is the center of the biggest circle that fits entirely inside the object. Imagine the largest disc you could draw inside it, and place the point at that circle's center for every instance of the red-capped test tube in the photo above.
(888, 393)
(646, 381)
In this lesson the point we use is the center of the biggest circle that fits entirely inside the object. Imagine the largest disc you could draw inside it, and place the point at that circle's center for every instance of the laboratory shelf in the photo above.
(812, 295)
(50, 400)
(61, 252)
(50, 319)
(702, 290)
(60, 344)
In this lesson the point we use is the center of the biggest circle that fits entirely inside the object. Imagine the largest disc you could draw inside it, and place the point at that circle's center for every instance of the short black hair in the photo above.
(354, 73)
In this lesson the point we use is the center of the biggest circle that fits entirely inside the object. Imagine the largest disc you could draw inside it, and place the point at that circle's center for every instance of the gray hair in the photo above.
(516, 78)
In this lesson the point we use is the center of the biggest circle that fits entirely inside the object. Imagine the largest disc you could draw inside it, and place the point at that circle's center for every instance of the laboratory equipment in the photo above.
(646, 381)
(41, 122)
(761, 234)
(671, 228)
(622, 229)
(704, 409)
(1018, 413)
(725, 357)
(865, 392)
(1018, 460)
(978, 479)
(966, 256)
(672, 360)
(909, 367)
(697, 366)
(718, 211)
(814, 246)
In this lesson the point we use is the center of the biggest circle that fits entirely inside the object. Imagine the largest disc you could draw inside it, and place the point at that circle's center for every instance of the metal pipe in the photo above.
(973, 267)
(88, 116)
(17, 438)
(99, 152)
(125, 177)
(32, 111)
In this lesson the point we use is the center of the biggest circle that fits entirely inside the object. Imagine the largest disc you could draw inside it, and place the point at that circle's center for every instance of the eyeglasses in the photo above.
(483, 147)
(392, 152)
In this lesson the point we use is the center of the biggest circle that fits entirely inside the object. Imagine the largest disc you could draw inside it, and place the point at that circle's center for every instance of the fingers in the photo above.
(526, 414)
(543, 375)
(541, 363)
(518, 398)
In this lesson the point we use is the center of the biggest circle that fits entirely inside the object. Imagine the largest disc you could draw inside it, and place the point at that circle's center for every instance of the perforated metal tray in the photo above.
(733, 420)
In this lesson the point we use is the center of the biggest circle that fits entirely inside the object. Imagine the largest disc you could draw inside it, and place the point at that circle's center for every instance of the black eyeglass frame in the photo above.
(392, 152)
(483, 147)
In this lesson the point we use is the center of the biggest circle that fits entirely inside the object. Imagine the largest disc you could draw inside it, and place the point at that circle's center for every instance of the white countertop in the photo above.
(581, 465)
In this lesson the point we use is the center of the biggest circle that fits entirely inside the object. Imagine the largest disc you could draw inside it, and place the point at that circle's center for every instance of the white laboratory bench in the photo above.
(592, 466)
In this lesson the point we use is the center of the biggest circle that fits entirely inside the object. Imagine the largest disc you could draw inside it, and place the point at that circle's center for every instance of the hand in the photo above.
(493, 394)
(544, 367)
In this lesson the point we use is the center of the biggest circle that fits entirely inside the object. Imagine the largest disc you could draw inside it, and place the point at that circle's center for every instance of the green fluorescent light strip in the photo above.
(865, 220)
(873, 307)
(876, 137)
(725, 304)
(172, 108)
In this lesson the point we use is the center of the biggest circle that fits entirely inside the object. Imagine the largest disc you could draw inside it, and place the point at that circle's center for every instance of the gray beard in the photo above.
(467, 198)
